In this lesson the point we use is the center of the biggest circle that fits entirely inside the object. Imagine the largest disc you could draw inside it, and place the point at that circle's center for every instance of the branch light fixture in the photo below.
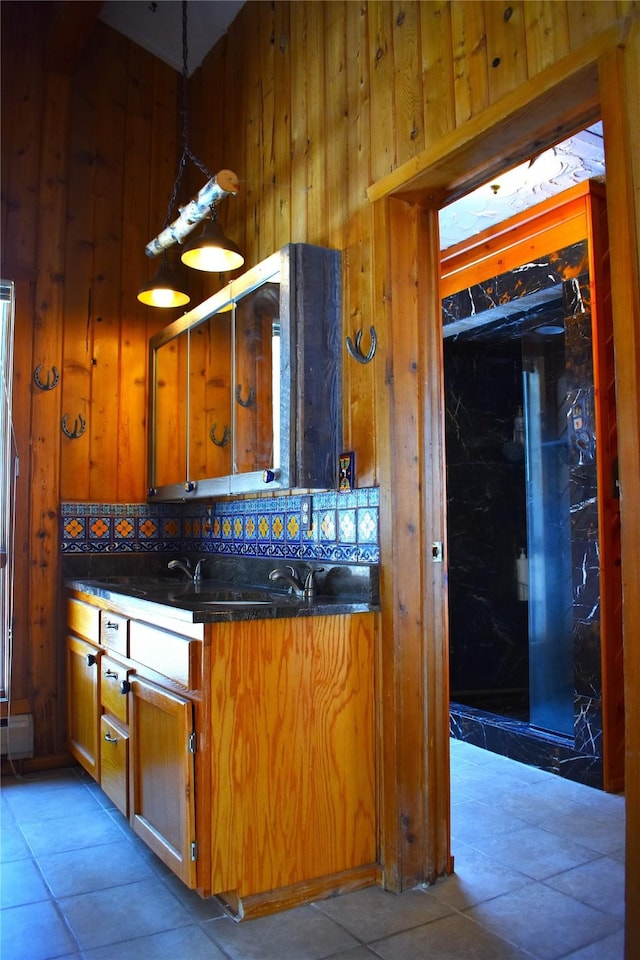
(167, 288)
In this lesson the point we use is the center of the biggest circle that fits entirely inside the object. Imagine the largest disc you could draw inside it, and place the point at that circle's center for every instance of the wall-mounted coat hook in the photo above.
(357, 353)
(226, 436)
(79, 426)
(52, 378)
(249, 402)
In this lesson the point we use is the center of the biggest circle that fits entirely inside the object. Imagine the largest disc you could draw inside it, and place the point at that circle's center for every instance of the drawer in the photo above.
(114, 632)
(114, 763)
(112, 697)
(166, 653)
(83, 619)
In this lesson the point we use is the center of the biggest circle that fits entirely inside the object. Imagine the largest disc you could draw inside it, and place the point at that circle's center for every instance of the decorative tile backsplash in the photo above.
(344, 527)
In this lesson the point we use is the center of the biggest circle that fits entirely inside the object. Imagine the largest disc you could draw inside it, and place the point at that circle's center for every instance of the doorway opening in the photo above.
(530, 525)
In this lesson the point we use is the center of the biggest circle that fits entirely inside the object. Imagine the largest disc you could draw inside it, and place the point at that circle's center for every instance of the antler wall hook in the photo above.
(77, 430)
(357, 353)
(251, 399)
(52, 378)
(226, 436)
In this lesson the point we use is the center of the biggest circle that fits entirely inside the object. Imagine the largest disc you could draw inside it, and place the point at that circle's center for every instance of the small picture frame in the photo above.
(346, 472)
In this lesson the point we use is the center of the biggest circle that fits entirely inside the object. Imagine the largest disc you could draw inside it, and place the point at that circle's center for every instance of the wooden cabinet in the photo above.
(83, 703)
(242, 752)
(129, 732)
(162, 776)
(83, 683)
(293, 805)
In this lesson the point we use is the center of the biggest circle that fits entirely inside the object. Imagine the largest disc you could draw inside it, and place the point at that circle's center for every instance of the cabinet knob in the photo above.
(91, 659)
(125, 687)
(268, 476)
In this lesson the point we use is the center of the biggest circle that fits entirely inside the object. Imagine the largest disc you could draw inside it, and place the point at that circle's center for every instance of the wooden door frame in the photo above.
(589, 84)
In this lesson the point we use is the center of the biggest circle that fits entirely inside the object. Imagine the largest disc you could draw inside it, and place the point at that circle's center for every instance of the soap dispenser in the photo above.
(522, 575)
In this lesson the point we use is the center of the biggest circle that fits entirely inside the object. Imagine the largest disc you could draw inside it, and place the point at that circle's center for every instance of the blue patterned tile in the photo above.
(327, 526)
(347, 526)
(367, 520)
(100, 528)
(74, 528)
(262, 526)
(148, 529)
(293, 533)
(124, 527)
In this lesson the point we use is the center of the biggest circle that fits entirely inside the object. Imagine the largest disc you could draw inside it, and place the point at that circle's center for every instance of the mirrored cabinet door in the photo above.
(246, 387)
(210, 408)
(257, 323)
(170, 394)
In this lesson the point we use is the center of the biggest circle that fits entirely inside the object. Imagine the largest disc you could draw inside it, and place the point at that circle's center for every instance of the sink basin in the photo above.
(192, 596)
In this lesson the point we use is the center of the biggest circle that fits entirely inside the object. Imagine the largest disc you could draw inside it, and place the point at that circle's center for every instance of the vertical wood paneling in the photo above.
(282, 126)
(22, 119)
(46, 703)
(336, 124)
(585, 19)
(300, 107)
(359, 429)
(132, 435)
(382, 132)
(437, 70)
(317, 143)
(250, 95)
(76, 373)
(470, 79)
(408, 93)
(506, 58)
(105, 300)
(265, 158)
(547, 33)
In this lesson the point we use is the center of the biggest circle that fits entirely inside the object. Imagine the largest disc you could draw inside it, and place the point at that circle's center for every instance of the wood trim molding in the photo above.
(596, 78)
(554, 104)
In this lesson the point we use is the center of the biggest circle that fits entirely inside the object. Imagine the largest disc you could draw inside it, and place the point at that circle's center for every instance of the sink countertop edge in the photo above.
(127, 595)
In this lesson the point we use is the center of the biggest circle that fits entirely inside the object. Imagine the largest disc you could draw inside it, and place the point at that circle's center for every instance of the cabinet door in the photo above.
(162, 776)
(83, 671)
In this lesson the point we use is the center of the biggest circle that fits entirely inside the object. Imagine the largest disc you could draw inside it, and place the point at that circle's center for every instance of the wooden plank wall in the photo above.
(309, 103)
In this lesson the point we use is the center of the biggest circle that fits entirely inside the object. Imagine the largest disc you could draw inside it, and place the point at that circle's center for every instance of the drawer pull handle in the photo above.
(111, 674)
(110, 625)
(91, 659)
(109, 738)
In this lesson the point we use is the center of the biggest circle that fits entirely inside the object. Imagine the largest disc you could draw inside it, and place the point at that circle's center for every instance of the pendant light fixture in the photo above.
(167, 289)
(211, 250)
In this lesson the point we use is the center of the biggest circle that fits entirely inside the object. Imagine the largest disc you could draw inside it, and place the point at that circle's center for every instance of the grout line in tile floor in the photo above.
(539, 864)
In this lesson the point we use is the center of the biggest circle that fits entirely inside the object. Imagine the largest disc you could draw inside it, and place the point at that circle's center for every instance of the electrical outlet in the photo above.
(306, 513)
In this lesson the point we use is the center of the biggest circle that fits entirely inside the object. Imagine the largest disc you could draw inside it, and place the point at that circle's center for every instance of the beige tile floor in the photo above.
(539, 874)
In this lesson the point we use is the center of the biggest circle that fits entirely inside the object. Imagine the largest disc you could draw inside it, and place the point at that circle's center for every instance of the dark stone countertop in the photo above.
(238, 591)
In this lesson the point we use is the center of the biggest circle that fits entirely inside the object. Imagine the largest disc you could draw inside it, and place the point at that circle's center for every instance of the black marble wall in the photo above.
(489, 645)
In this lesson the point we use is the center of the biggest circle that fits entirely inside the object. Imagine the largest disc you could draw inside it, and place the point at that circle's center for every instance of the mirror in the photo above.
(228, 411)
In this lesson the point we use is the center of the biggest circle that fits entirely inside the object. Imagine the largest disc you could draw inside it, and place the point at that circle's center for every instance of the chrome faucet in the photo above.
(289, 576)
(197, 575)
(185, 566)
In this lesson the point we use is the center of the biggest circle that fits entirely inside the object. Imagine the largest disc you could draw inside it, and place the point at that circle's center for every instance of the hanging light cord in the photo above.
(187, 153)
